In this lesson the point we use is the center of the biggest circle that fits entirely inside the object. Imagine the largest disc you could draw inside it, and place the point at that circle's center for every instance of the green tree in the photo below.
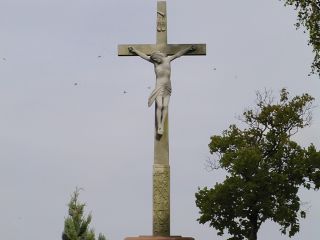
(265, 169)
(309, 18)
(76, 225)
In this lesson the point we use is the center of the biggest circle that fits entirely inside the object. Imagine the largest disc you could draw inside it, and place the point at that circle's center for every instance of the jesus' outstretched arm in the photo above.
(140, 54)
(182, 52)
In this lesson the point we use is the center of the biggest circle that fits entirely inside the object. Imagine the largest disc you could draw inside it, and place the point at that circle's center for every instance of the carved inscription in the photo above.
(161, 200)
(161, 22)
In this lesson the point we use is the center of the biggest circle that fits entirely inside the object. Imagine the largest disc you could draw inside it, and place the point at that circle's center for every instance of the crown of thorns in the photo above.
(157, 53)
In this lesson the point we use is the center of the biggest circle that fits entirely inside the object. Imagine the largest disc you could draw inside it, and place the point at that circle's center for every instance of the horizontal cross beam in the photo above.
(169, 49)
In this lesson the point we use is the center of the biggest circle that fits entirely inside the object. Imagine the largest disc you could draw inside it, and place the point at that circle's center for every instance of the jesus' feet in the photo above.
(160, 130)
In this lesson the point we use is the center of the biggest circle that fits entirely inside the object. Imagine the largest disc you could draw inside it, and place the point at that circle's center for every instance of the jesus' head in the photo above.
(157, 56)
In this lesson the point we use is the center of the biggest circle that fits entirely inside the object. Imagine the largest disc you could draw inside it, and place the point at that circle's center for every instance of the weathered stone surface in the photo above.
(169, 49)
(162, 22)
(161, 143)
(161, 169)
(161, 43)
(159, 238)
(161, 200)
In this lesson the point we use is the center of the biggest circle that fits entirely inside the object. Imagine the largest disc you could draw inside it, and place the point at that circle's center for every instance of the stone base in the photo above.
(159, 238)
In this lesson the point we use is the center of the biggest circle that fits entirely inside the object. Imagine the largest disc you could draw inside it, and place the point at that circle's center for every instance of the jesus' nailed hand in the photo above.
(161, 93)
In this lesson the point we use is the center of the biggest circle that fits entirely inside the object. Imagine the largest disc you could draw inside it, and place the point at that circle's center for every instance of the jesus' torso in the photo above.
(163, 73)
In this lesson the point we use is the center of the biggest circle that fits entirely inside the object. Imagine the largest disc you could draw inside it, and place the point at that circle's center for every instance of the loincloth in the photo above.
(159, 91)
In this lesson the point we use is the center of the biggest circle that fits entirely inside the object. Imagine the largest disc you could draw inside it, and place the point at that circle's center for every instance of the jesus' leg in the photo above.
(159, 105)
(165, 104)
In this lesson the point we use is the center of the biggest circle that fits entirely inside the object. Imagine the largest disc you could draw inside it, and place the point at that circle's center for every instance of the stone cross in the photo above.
(161, 168)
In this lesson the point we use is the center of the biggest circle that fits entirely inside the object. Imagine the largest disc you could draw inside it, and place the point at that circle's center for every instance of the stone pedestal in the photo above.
(159, 238)
(161, 200)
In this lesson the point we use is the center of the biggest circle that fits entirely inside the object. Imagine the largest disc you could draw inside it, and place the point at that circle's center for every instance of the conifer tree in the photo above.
(76, 225)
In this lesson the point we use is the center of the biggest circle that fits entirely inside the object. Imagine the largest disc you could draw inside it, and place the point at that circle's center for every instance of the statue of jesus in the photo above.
(162, 92)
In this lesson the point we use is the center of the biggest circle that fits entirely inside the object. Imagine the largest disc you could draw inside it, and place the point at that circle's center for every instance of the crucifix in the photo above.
(160, 55)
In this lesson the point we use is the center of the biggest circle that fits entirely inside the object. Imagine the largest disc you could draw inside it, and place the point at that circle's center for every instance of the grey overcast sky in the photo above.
(65, 121)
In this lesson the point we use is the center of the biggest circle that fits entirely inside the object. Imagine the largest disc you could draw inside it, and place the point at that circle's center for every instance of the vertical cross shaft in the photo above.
(161, 168)
(162, 23)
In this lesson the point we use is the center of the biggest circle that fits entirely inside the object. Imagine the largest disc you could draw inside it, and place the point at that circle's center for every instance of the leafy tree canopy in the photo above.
(309, 17)
(265, 169)
(76, 225)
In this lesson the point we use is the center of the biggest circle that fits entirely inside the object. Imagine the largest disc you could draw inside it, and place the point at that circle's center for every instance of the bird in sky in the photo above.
(99, 56)
(75, 84)
(124, 92)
